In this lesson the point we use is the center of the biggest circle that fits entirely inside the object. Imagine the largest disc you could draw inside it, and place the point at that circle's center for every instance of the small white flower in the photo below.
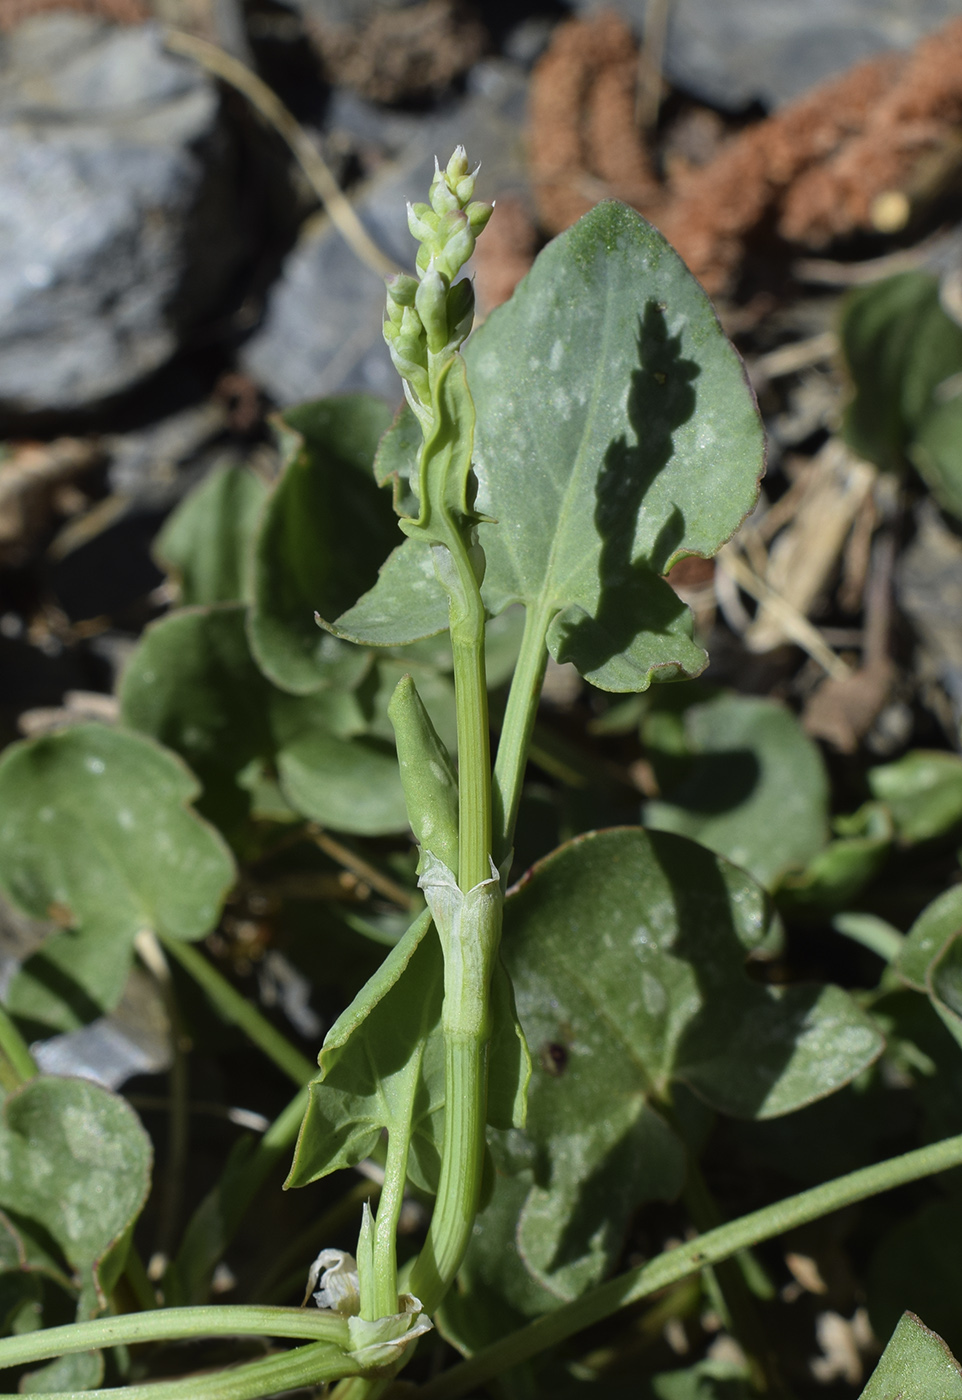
(339, 1290)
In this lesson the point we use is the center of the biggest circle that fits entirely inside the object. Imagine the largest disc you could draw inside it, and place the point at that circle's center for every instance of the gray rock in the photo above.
(731, 53)
(321, 333)
(118, 211)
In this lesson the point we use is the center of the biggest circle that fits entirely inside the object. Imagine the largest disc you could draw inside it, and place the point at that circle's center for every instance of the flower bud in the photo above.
(464, 189)
(478, 215)
(395, 314)
(457, 245)
(401, 289)
(442, 196)
(457, 167)
(411, 327)
(432, 307)
(422, 222)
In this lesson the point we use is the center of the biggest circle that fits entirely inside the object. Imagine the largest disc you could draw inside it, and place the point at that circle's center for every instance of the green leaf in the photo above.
(75, 1159)
(935, 926)
(756, 790)
(615, 434)
(914, 1268)
(382, 1066)
(936, 451)
(944, 985)
(193, 684)
(916, 1365)
(206, 542)
(834, 877)
(406, 604)
(923, 791)
(350, 784)
(323, 535)
(96, 832)
(899, 345)
(627, 951)
(708, 1380)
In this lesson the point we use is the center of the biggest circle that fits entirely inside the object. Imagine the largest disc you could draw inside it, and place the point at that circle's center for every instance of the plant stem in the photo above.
(516, 730)
(462, 1161)
(13, 1045)
(677, 1263)
(174, 1324)
(386, 1223)
(304, 1366)
(240, 1012)
(474, 754)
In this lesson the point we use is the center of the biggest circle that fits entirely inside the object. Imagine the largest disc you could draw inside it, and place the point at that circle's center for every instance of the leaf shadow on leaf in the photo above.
(720, 783)
(661, 398)
(742, 1042)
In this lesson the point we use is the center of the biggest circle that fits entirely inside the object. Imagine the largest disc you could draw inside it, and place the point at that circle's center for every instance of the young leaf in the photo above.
(387, 1073)
(206, 542)
(916, 1365)
(75, 1159)
(323, 534)
(616, 433)
(627, 952)
(937, 924)
(923, 791)
(756, 791)
(96, 832)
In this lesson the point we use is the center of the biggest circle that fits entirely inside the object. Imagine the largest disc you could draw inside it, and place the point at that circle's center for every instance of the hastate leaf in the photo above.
(615, 433)
(96, 833)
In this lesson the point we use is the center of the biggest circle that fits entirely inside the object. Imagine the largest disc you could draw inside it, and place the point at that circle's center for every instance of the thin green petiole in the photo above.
(516, 730)
(474, 753)
(462, 1162)
(174, 1324)
(311, 1365)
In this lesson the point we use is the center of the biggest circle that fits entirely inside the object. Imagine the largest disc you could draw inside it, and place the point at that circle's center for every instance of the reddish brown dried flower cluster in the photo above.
(814, 171)
(14, 12)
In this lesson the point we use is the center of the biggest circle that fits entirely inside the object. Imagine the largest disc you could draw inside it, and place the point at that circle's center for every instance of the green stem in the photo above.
(676, 1264)
(474, 753)
(304, 1366)
(386, 1223)
(174, 1324)
(240, 1012)
(462, 1162)
(517, 728)
(13, 1045)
